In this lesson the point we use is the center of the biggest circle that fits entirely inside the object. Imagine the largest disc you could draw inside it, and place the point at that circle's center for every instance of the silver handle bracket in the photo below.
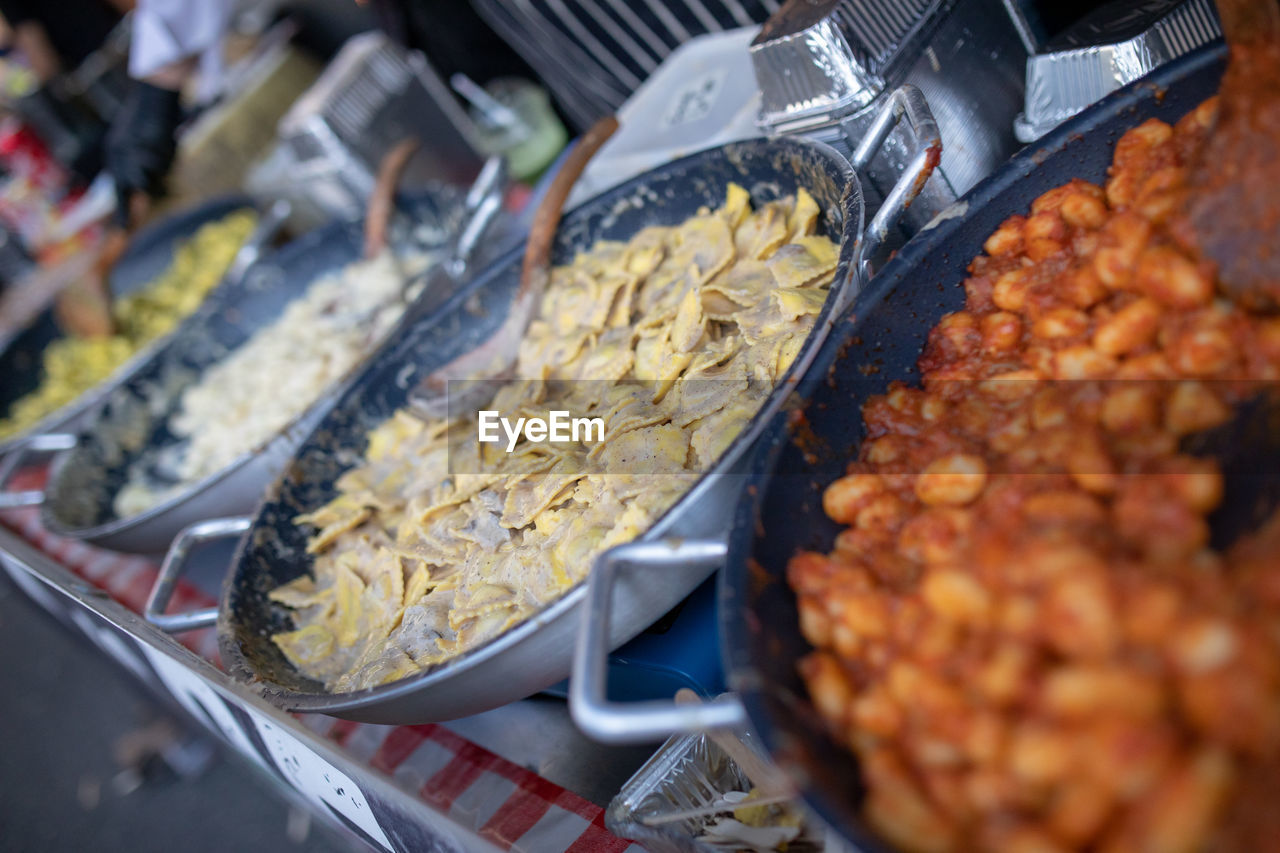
(255, 246)
(175, 562)
(925, 146)
(54, 442)
(637, 722)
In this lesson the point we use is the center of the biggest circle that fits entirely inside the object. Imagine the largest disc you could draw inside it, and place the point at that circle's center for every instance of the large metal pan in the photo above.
(781, 510)
(150, 252)
(535, 654)
(132, 421)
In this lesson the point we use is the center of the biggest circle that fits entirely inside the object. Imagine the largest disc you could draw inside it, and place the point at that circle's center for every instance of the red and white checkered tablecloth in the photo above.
(511, 807)
(125, 577)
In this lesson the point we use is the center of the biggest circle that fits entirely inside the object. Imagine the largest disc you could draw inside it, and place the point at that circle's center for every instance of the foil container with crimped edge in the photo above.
(691, 772)
(816, 58)
(1108, 49)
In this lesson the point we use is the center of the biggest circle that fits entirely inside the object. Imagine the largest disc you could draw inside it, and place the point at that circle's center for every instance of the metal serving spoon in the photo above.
(494, 359)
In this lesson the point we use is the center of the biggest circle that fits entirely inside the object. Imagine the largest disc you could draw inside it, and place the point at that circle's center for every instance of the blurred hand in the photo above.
(140, 146)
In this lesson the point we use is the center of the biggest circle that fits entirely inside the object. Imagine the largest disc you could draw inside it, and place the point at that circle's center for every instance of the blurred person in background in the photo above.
(52, 40)
(55, 37)
(171, 40)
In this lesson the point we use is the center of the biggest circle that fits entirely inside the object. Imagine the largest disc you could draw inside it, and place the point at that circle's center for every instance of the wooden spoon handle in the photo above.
(116, 241)
(382, 201)
(83, 308)
(537, 253)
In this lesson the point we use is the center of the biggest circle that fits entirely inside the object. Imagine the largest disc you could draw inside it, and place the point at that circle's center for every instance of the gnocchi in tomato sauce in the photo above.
(1023, 633)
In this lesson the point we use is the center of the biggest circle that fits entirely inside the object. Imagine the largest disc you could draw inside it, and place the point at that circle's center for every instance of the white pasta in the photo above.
(248, 397)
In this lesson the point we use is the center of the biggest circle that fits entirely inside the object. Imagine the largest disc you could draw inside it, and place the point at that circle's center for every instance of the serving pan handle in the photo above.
(175, 562)
(269, 224)
(924, 146)
(636, 722)
(48, 443)
(480, 207)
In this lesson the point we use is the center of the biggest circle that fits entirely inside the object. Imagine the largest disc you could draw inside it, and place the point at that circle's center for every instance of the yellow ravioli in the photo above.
(439, 543)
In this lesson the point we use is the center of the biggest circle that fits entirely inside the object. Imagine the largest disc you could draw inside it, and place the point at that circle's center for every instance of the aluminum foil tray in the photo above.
(818, 57)
(823, 67)
(1109, 48)
(690, 773)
